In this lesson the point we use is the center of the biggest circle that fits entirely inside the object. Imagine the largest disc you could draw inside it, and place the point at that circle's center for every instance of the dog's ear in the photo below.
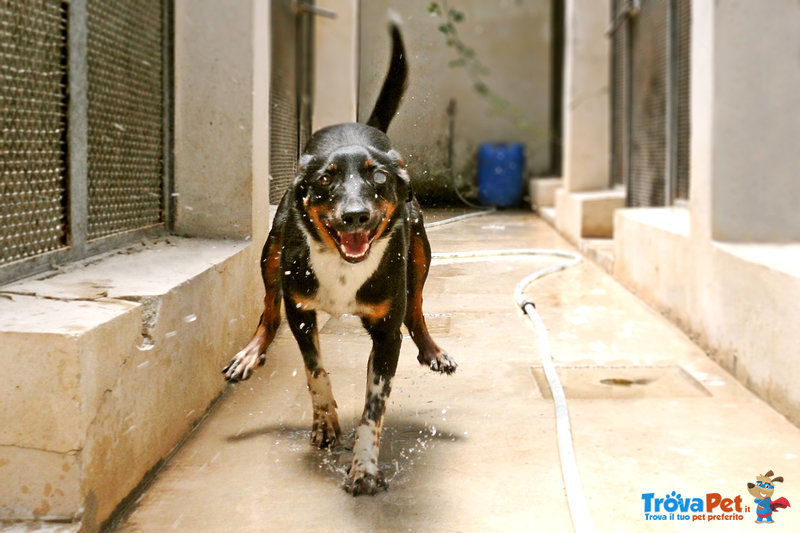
(303, 168)
(404, 190)
(751, 485)
(306, 166)
(779, 479)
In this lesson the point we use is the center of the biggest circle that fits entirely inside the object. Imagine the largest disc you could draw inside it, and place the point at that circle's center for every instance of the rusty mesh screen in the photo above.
(649, 105)
(684, 24)
(620, 80)
(33, 124)
(125, 115)
(283, 122)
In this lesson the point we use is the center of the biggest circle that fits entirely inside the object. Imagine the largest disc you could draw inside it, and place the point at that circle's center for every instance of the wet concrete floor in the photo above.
(477, 451)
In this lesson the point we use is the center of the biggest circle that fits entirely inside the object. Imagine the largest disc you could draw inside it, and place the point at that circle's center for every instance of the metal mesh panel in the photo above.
(619, 84)
(683, 21)
(648, 105)
(283, 129)
(125, 115)
(33, 124)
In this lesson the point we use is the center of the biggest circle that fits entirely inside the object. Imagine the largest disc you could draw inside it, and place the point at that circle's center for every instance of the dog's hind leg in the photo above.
(419, 260)
(325, 430)
(244, 362)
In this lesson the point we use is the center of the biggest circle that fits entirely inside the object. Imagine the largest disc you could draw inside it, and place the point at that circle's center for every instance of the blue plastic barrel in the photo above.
(500, 172)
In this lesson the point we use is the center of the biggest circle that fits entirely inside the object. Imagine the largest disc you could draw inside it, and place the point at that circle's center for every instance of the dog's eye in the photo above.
(324, 180)
(380, 177)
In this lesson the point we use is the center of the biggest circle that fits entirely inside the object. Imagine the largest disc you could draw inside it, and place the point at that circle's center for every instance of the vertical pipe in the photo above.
(168, 95)
(77, 137)
(671, 124)
(628, 114)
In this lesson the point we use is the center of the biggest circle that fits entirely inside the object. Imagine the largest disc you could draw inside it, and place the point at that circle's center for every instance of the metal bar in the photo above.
(305, 78)
(77, 128)
(557, 87)
(121, 240)
(671, 122)
(33, 265)
(628, 121)
(612, 83)
(168, 93)
(302, 7)
(630, 11)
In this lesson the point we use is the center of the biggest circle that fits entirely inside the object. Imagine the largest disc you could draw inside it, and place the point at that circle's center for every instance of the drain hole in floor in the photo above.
(622, 382)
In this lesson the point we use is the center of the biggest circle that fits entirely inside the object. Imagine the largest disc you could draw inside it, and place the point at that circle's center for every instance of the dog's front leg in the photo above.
(325, 430)
(365, 476)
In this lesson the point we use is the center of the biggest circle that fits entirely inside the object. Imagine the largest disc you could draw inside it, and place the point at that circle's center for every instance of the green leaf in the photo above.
(433, 7)
(482, 88)
(521, 123)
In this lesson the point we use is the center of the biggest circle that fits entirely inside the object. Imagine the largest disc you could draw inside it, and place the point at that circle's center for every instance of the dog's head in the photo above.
(764, 485)
(349, 192)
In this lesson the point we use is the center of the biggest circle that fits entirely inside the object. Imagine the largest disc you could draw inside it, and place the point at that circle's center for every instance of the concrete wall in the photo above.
(584, 206)
(586, 97)
(213, 118)
(512, 38)
(738, 299)
(335, 64)
(109, 364)
(755, 191)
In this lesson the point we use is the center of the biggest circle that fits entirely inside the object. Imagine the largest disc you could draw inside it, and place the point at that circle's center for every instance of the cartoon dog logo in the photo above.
(762, 489)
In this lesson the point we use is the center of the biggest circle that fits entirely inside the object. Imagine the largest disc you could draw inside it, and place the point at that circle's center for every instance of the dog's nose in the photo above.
(355, 218)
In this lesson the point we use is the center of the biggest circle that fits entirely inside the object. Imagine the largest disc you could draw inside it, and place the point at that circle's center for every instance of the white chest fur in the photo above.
(339, 280)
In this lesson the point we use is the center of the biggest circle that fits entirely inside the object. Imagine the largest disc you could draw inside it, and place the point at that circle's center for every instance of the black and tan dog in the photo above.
(348, 238)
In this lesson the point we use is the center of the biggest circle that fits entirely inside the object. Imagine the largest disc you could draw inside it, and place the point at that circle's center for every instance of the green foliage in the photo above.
(468, 60)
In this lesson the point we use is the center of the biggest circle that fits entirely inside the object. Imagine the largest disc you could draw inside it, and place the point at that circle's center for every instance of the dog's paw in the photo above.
(359, 482)
(438, 362)
(243, 363)
(325, 432)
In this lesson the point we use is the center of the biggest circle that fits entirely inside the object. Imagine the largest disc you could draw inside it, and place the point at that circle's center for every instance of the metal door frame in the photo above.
(623, 16)
(77, 245)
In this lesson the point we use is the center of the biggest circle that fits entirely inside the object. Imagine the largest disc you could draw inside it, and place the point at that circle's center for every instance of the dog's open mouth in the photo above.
(353, 246)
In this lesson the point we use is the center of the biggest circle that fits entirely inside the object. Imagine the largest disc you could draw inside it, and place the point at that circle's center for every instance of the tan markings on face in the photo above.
(368, 163)
(388, 208)
(313, 214)
(332, 167)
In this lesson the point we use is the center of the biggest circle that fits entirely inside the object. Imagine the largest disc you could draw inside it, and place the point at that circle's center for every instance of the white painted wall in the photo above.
(586, 97)
(726, 268)
(755, 183)
(512, 38)
(335, 64)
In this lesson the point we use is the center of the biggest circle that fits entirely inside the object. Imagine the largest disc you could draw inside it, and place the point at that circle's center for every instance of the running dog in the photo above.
(349, 238)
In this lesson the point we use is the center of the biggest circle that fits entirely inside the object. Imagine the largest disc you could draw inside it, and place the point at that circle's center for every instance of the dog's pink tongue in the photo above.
(355, 244)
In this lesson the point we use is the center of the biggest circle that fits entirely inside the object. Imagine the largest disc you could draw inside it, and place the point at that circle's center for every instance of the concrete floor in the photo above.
(476, 451)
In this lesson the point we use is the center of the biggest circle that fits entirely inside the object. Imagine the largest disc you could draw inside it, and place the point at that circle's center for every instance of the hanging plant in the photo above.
(468, 60)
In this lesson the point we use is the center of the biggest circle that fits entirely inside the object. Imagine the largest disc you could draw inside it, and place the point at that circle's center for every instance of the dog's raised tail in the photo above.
(395, 84)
